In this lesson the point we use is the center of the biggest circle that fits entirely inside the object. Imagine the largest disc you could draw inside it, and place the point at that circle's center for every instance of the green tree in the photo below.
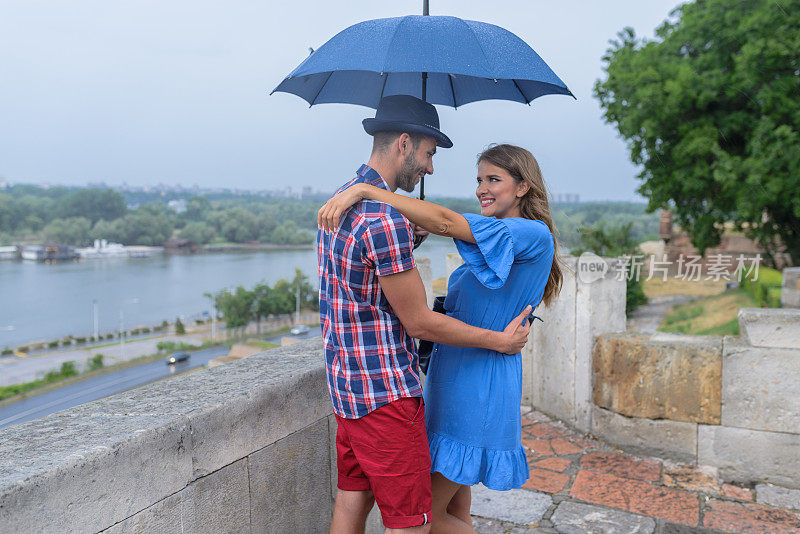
(198, 232)
(236, 307)
(282, 297)
(710, 110)
(309, 298)
(72, 231)
(180, 329)
(262, 303)
(197, 208)
(236, 225)
(614, 241)
(144, 226)
(94, 204)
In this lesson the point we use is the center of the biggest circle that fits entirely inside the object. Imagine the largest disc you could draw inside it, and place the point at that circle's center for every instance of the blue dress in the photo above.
(473, 396)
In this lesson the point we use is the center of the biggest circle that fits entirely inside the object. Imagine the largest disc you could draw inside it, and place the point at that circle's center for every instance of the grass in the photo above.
(711, 315)
(261, 344)
(675, 286)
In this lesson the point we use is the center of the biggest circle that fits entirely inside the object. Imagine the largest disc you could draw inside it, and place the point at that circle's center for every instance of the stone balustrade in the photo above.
(243, 447)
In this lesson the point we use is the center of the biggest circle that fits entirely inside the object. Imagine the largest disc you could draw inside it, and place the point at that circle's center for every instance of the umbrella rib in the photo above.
(383, 87)
(321, 87)
(453, 91)
(524, 98)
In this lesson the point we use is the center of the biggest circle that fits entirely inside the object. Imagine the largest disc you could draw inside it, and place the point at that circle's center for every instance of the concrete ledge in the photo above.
(99, 464)
(667, 439)
(746, 456)
(770, 327)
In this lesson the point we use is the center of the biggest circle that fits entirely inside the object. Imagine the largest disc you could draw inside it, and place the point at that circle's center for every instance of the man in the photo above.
(372, 302)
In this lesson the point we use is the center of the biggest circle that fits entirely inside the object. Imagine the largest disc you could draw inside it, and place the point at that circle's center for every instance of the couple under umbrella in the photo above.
(417, 454)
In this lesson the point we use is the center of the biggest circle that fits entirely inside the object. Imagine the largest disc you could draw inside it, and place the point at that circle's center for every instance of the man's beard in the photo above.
(406, 178)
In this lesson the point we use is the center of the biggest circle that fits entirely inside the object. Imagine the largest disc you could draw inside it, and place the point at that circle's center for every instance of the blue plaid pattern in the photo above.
(369, 358)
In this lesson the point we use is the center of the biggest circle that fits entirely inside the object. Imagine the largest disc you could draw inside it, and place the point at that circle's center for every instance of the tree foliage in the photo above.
(241, 306)
(710, 110)
(614, 241)
(74, 230)
(94, 204)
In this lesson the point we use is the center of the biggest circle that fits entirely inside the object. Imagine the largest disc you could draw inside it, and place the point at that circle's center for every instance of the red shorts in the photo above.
(386, 451)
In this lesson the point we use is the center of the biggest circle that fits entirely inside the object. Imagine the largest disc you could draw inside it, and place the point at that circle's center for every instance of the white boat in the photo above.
(8, 253)
(33, 252)
(104, 249)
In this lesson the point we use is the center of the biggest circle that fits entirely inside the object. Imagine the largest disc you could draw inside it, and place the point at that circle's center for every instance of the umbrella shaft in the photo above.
(425, 7)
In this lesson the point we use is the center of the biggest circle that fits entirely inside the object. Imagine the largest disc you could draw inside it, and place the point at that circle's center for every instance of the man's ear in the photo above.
(404, 144)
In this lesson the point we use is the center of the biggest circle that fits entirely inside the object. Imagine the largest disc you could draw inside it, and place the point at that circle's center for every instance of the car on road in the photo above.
(176, 357)
(299, 330)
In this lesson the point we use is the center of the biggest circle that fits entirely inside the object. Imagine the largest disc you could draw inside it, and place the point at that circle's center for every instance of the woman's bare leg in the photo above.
(444, 523)
(460, 504)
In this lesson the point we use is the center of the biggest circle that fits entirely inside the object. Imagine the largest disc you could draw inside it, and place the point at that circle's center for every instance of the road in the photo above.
(100, 386)
(112, 382)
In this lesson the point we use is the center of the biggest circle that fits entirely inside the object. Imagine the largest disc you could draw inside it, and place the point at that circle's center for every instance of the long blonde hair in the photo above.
(522, 166)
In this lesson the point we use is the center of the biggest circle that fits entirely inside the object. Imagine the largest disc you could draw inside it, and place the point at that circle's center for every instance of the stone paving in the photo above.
(580, 485)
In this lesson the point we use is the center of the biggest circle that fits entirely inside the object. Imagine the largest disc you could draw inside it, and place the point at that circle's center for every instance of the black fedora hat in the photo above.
(404, 113)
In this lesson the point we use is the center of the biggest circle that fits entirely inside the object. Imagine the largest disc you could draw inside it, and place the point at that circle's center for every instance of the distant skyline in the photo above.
(177, 93)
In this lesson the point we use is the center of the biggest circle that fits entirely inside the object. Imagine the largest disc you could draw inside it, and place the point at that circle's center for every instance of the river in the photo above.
(49, 302)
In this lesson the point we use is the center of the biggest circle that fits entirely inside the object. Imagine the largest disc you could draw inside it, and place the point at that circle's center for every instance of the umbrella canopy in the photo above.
(443, 60)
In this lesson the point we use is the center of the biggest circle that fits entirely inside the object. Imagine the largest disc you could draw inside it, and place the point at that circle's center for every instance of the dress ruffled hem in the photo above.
(468, 465)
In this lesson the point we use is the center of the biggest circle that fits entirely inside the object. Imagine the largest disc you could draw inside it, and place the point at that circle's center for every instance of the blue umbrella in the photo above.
(443, 60)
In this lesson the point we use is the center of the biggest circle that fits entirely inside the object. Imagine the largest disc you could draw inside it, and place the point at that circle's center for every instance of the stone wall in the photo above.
(244, 447)
(557, 362)
(790, 289)
(728, 402)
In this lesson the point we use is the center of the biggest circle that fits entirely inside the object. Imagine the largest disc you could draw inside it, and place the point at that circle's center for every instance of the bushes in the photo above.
(172, 346)
(95, 362)
(179, 328)
(67, 370)
(6, 352)
(766, 290)
(52, 344)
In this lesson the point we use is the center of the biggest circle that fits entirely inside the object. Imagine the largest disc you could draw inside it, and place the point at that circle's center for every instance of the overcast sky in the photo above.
(176, 92)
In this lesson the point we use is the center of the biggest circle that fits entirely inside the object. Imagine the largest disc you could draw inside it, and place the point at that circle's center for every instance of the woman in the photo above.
(472, 396)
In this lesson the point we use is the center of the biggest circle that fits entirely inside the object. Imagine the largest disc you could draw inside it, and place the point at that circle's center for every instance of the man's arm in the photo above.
(406, 294)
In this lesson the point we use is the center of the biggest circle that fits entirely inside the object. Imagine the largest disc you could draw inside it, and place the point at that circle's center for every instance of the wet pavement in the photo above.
(579, 484)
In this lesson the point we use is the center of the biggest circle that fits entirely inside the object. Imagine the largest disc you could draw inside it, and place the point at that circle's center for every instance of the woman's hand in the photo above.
(515, 336)
(329, 214)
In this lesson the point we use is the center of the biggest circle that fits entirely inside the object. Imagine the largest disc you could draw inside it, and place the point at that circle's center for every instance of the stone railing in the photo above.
(727, 402)
(244, 447)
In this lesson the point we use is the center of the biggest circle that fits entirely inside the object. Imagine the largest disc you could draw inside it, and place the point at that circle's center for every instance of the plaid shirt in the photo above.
(369, 358)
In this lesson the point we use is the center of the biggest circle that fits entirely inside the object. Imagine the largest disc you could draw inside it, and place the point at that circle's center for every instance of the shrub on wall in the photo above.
(766, 289)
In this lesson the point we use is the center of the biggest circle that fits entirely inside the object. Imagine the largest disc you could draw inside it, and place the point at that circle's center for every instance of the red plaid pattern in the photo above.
(369, 357)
